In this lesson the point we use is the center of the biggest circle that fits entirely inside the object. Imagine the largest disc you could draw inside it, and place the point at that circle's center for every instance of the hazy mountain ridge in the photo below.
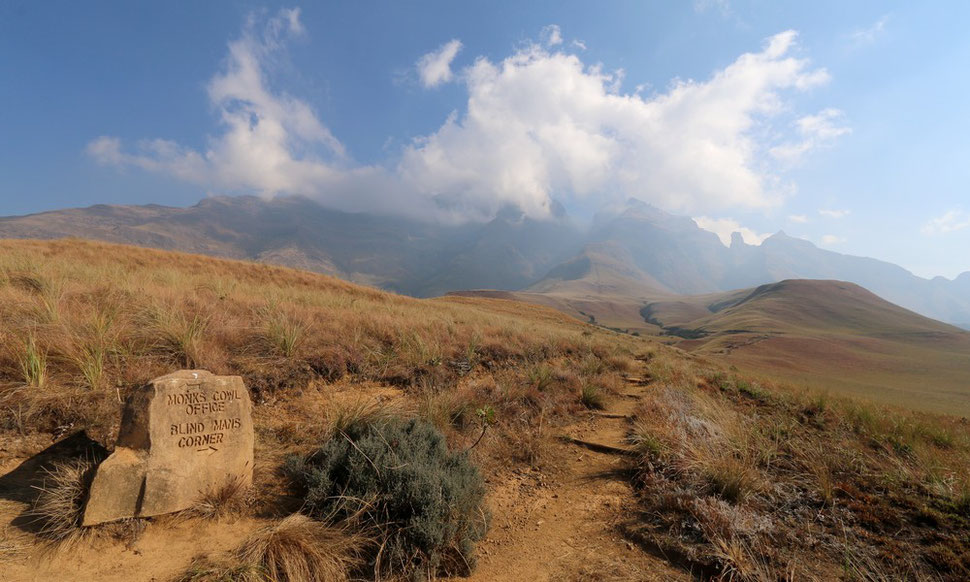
(637, 251)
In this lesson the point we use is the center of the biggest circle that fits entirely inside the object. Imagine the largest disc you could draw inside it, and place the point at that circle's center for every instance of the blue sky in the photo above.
(843, 123)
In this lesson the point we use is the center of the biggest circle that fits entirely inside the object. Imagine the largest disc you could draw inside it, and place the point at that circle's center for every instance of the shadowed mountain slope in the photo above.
(406, 256)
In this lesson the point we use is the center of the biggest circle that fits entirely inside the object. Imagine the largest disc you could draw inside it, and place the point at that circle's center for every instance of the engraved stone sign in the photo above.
(182, 435)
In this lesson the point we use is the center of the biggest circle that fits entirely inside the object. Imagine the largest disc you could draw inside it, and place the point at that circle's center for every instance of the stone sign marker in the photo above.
(182, 435)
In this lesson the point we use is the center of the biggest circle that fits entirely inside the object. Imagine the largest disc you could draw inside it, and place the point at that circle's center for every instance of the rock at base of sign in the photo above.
(182, 435)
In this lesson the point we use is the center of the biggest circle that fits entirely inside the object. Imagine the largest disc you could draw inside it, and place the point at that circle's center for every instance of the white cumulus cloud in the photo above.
(950, 221)
(541, 124)
(725, 227)
(832, 240)
(434, 68)
(799, 218)
(536, 126)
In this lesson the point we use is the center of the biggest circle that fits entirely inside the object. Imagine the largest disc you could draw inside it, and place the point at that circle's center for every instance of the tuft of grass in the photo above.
(283, 333)
(751, 390)
(48, 291)
(92, 343)
(448, 409)
(620, 363)
(592, 397)
(300, 549)
(349, 416)
(91, 364)
(232, 498)
(731, 478)
(177, 333)
(33, 363)
(59, 506)
(541, 377)
(592, 366)
(647, 444)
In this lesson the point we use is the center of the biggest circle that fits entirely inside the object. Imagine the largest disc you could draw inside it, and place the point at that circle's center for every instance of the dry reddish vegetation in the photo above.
(81, 324)
(745, 482)
(736, 480)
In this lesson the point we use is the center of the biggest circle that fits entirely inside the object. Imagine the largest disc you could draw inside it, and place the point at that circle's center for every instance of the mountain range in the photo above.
(637, 252)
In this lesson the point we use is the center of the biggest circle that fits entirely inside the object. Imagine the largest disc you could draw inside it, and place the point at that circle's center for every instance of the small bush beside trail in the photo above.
(400, 478)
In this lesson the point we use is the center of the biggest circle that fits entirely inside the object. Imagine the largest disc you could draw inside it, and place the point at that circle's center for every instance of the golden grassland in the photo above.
(738, 478)
(81, 323)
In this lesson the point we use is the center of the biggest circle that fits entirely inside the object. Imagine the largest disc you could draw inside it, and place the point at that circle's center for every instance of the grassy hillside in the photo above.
(87, 321)
(717, 472)
(829, 335)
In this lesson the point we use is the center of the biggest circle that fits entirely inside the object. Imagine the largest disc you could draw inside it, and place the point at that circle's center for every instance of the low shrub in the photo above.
(399, 477)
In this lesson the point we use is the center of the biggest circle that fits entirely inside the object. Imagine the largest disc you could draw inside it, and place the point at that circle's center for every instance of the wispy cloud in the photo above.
(725, 227)
(814, 131)
(703, 6)
(869, 34)
(434, 68)
(799, 218)
(832, 240)
(950, 221)
(551, 35)
(835, 213)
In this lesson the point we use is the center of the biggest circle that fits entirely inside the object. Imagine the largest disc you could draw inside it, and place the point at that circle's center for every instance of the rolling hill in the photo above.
(827, 333)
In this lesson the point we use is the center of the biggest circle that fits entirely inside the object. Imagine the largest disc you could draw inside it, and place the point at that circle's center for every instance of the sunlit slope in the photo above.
(828, 334)
(82, 320)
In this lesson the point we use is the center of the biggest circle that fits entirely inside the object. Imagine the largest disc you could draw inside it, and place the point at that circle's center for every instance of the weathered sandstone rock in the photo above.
(182, 435)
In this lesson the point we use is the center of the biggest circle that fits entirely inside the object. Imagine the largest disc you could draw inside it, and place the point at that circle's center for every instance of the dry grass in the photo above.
(751, 482)
(300, 549)
(738, 479)
(591, 396)
(33, 363)
(231, 499)
(59, 506)
(342, 416)
(101, 319)
(295, 549)
(319, 356)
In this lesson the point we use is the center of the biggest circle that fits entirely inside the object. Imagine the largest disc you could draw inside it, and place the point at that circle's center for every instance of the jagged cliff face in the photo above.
(636, 250)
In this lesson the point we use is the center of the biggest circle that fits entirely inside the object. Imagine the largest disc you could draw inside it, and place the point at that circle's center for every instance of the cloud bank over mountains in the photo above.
(539, 126)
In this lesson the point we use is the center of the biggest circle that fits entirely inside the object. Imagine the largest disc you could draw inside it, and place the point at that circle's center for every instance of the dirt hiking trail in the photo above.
(565, 522)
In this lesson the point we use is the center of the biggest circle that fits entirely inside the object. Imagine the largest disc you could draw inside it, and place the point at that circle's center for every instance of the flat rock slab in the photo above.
(182, 435)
